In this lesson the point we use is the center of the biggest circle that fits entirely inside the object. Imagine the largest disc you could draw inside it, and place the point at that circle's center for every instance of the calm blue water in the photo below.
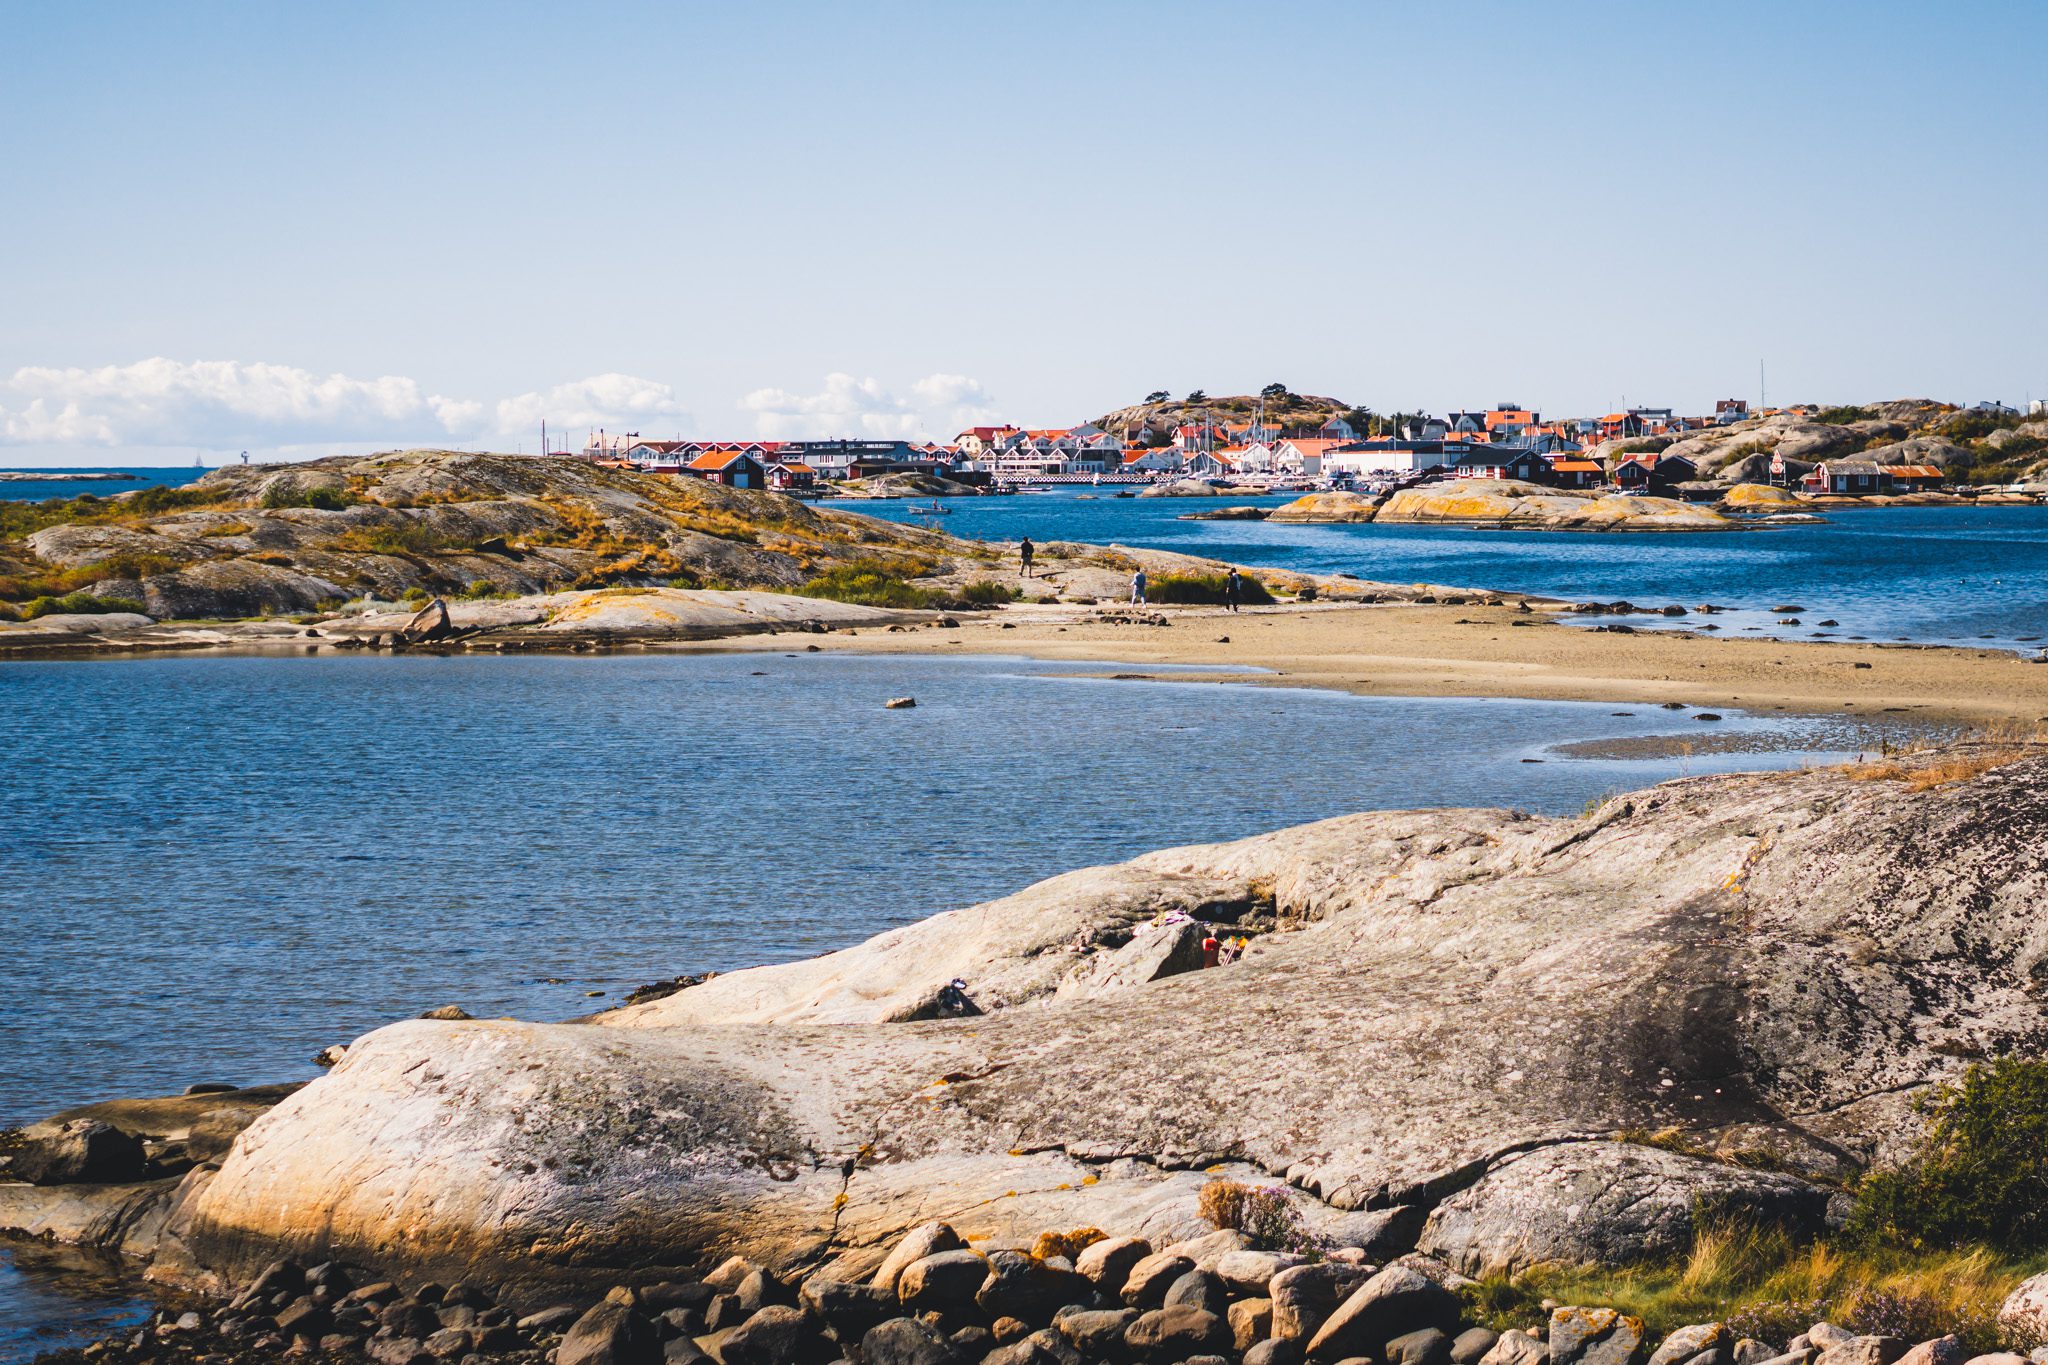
(217, 866)
(1936, 574)
(136, 476)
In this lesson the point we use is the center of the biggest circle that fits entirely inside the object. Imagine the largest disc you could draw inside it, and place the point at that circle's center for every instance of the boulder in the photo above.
(1249, 1272)
(1471, 1346)
(1197, 1289)
(1168, 1334)
(1146, 1285)
(848, 1310)
(1682, 1345)
(609, 1334)
(1095, 1332)
(1945, 1350)
(1251, 1320)
(1594, 1336)
(1029, 1290)
(1304, 1297)
(776, 1335)
(926, 1239)
(1394, 1302)
(1155, 951)
(2024, 1315)
(1606, 1203)
(1107, 1263)
(942, 1283)
(1862, 1350)
(1273, 1351)
(1426, 1347)
(907, 1341)
(1208, 1250)
(80, 1152)
(1516, 1347)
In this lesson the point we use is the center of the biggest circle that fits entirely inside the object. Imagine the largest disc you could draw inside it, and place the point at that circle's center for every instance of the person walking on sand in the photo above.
(1138, 588)
(1233, 590)
(1024, 552)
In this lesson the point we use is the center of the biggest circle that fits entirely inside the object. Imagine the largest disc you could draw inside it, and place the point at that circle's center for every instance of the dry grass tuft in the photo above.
(1936, 764)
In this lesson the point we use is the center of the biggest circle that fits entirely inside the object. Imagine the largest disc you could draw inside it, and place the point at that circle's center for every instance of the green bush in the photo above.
(1207, 588)
(1842, 416)
(870, 583)
(76, 604)
(1980, 1173)
(414, 594)
(986, 592)
(286, 493)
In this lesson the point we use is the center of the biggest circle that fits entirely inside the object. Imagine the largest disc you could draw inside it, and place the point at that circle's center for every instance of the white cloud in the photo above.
(616, 402)
(224, 404)
(939, 405)
(209, 403)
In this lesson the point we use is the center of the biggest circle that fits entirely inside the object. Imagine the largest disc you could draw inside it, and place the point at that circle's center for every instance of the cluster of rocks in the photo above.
(1073, 1299)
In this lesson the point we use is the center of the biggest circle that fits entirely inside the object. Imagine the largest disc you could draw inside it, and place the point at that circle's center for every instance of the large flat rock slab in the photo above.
(1750, 964)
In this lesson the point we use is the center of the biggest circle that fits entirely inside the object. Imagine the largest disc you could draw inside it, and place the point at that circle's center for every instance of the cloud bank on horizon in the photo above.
(217, 405)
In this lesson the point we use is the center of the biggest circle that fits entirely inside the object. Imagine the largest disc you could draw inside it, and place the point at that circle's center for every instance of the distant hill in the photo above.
(1286, 411)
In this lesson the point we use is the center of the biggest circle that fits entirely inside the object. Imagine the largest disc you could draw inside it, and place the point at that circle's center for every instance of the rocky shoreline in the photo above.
(1066, 1298)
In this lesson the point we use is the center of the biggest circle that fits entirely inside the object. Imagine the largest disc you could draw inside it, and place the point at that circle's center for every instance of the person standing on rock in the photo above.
(1024, 552)
(1138, 588)
(1211, 948)
(1233, 589)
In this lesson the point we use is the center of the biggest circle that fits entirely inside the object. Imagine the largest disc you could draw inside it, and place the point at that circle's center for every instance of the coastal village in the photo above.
(1286, 443)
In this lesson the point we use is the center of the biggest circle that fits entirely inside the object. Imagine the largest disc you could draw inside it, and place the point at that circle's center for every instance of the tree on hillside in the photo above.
(1360, 418)
(1273, 391)
(1157, 396)
(1198, 396)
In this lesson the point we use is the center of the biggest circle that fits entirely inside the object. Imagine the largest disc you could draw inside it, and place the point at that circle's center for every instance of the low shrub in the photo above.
(986, 592)
(1265, 1214)
(1068, 1244)
(76, 604)
(416, 595)
(1842, 416)
(288, 493)
(871, 583)
(1980, 1173)
(1203, 588)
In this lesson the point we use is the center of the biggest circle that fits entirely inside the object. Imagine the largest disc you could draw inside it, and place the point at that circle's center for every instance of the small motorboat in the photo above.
(934, 508)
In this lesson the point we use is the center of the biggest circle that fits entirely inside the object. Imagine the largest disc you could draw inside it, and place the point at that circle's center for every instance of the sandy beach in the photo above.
(1435, 650)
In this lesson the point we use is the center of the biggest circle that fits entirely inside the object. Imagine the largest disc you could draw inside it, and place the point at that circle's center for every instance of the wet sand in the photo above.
(1433, 650)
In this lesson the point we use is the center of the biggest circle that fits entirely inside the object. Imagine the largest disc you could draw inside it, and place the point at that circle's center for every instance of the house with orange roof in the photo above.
(733, 468)
(978, 441)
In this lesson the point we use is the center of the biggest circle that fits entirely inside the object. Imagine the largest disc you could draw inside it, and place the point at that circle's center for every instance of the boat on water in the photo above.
(934, 508)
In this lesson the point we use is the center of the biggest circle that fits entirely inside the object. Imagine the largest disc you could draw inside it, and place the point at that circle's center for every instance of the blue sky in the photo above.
(299, 228)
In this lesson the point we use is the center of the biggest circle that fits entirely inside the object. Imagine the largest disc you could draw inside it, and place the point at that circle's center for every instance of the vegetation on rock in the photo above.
(1204, 588)
(1980, 1174)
